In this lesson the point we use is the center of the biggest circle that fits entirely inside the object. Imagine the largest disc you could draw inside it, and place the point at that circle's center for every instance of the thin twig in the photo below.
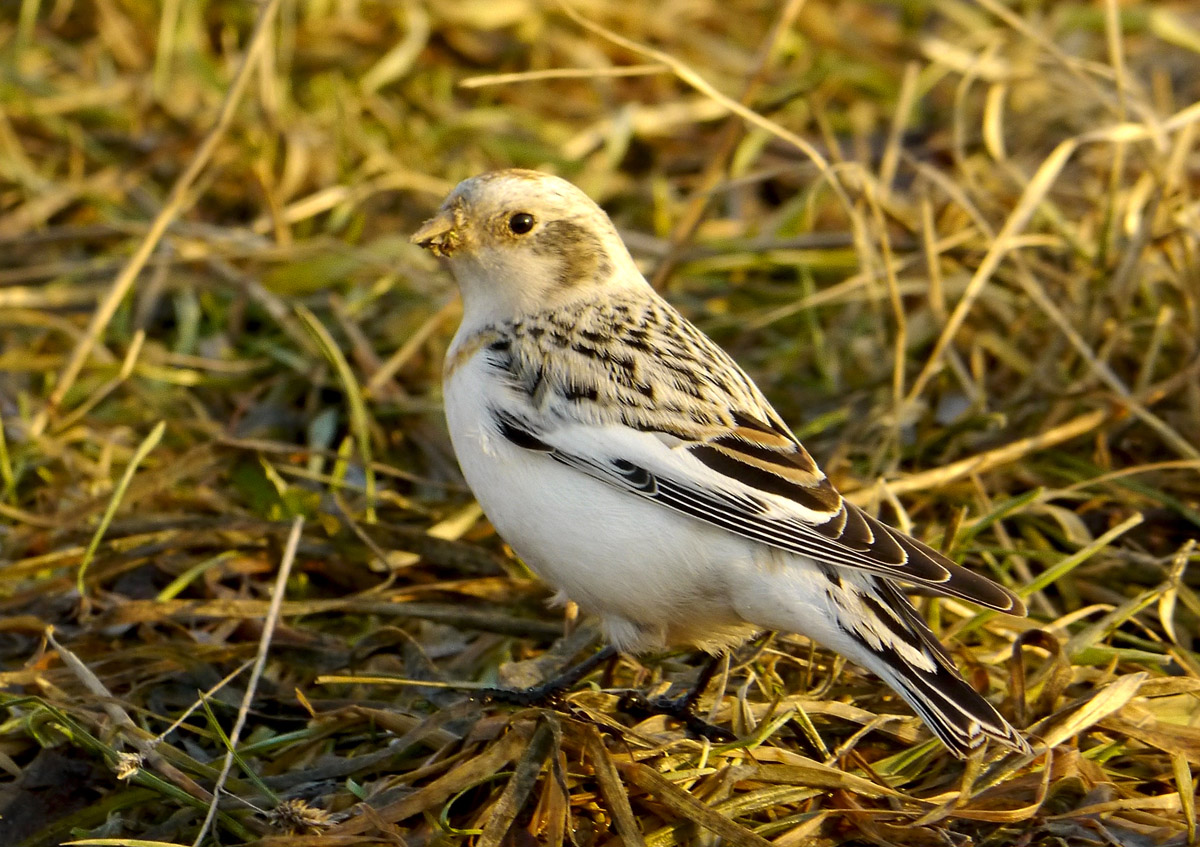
(260, 661)
(986, 461)
(562, 73)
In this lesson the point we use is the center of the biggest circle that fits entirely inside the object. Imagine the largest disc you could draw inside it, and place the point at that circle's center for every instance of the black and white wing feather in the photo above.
(738, 501)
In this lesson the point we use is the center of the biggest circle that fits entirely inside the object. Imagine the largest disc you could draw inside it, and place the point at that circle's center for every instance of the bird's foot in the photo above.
(549, 693)
(681, 709)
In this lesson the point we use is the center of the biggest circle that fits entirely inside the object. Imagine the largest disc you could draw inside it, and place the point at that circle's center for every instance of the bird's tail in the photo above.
(897, 645)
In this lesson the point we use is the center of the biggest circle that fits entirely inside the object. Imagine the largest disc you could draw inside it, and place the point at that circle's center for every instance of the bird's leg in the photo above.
(550, 690)
(689, 700)
(682, 708)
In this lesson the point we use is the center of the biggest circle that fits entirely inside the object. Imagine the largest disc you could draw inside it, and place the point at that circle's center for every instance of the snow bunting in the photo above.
(632, 464)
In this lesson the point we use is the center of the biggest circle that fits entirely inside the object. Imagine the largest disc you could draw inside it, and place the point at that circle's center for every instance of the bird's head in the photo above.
(520, 241)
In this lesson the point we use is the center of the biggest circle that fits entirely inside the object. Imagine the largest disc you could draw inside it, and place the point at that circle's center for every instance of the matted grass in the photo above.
(957, 244)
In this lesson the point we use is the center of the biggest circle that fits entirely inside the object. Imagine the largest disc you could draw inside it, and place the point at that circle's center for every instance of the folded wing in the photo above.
(755, 480)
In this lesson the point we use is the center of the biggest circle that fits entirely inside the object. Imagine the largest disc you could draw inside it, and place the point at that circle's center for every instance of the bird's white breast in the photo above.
(653, 576)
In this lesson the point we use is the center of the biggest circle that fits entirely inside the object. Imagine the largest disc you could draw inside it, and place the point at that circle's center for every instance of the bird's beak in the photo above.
(439, 234)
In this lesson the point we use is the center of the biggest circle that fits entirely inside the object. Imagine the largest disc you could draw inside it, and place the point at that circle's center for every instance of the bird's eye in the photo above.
(520, 223)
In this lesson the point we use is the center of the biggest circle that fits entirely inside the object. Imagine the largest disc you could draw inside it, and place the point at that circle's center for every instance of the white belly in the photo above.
(653, 576)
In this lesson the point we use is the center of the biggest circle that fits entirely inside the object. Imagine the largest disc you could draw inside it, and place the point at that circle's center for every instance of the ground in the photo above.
(957, 244)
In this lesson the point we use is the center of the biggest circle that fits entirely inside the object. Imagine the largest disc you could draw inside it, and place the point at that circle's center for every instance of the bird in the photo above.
(638, 470)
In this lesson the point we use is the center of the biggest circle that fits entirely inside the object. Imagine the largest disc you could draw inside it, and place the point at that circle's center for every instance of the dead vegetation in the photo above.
(958, 244)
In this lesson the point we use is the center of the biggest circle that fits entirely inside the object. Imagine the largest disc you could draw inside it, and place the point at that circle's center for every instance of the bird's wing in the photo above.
(753, 479)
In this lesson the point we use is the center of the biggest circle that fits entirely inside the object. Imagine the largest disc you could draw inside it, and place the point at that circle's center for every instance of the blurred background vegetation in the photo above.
(956, 243)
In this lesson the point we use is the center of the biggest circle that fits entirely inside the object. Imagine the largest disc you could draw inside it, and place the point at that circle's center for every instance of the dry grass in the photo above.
(957, 243)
